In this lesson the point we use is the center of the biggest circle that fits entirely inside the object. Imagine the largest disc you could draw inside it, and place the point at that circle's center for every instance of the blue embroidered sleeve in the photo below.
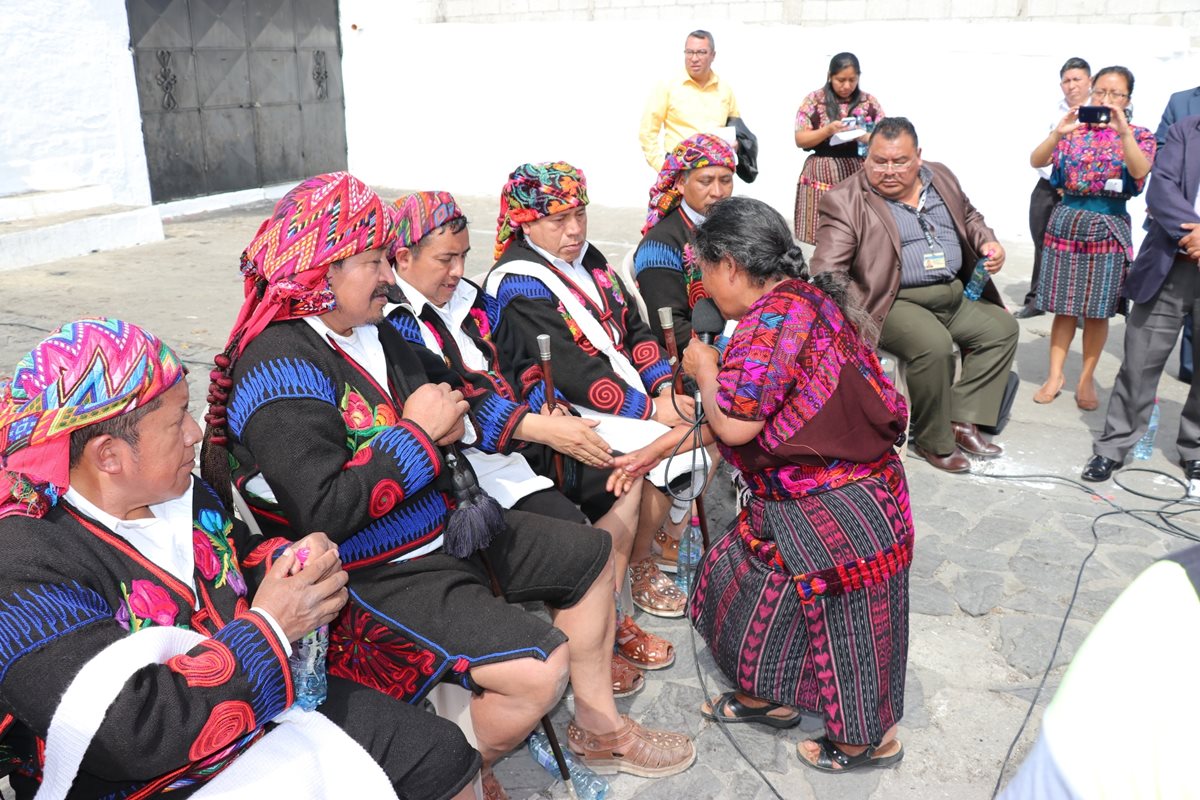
(656, 255)
(260, 659)
(497, 420)
(414, 454)
(34, 617)
(277, 379)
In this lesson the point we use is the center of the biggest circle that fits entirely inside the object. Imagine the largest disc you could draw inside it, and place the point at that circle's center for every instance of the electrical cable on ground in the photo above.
(1160, 519)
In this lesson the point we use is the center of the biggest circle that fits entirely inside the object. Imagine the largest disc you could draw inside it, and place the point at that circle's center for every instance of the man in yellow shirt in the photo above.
(695, 102)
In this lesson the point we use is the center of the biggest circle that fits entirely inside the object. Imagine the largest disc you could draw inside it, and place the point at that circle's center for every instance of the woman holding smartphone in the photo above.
(1100, 160)
(838, 106)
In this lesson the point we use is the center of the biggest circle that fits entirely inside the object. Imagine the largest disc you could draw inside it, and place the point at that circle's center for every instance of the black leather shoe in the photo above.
(1025, 312)
(954, 462)
(1191, 469)
(1099, 469)
(970, 440)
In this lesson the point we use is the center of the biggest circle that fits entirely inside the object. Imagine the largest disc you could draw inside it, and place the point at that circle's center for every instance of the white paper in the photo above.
(847, 136)
(626, 435)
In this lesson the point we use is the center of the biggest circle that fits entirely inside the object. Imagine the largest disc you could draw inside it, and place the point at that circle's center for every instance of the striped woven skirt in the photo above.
(818, 176)
(805, 602)
(1085, 257)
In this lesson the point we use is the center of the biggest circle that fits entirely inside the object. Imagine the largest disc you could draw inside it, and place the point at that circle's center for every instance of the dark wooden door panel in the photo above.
(237, 93)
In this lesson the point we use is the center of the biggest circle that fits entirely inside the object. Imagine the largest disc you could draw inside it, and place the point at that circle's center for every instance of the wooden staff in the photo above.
(543, 343)
(667, 323)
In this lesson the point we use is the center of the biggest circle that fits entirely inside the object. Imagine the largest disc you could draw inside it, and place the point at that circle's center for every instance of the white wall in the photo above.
(69, 105)
(457, 106)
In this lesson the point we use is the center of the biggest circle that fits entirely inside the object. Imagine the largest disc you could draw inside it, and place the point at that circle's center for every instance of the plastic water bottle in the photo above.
(979, 279)
(1145, 446)
(308, 668)
(863, 141)
(588, 785)
(307, 660)
(689, 555)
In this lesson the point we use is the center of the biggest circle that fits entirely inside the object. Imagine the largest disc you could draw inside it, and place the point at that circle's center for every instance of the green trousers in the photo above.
(921, 329)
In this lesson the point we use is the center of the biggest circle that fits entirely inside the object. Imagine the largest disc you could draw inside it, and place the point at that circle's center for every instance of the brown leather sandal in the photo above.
(653, 592)
(632, 749)
(642, 648)
(666, 551)
(492, 790)
(627, 679)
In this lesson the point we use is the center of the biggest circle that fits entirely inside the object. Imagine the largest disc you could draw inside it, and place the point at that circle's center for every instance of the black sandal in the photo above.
(740, 712)
(831, 754)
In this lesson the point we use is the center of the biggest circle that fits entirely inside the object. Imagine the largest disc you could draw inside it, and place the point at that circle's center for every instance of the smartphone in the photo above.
(850, 122)
(1095, 115)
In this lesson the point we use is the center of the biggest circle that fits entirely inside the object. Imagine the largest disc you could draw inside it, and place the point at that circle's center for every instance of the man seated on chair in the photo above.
(549, 280)
(110, 545)
(696, 174)
(447, 314)
(334, 422)
(910, 239)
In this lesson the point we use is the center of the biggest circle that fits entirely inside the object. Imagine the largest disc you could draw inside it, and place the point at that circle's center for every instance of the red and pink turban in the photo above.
(322, 220)
(695, 152)
(83, 373)
(418, 214)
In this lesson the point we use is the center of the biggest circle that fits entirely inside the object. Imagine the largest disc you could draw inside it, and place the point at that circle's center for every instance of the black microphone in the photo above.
(707, 321)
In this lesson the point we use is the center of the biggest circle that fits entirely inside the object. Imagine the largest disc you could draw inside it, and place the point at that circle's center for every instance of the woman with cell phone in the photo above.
(834, 122)
(1099, 161)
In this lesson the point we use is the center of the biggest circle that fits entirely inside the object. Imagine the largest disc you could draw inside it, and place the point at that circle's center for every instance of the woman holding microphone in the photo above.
(804, 600)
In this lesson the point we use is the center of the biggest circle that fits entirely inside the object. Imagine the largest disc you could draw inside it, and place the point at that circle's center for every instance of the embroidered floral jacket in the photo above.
(527, 308)
(332, 445)
(668, 275)
(70, 587)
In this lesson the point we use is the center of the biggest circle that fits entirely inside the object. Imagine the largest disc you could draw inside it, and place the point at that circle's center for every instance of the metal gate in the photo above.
(237, 93)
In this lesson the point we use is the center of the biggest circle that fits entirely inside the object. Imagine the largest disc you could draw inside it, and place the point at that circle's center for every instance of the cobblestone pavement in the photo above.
(996, 557)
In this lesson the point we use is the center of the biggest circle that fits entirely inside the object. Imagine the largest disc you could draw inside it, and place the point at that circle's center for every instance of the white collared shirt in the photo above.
(165, 539)
(575, 269)
(362, 345)
(453, 314)
(695, 216)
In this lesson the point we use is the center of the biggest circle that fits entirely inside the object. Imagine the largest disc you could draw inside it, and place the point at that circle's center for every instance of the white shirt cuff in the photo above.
(275, 626)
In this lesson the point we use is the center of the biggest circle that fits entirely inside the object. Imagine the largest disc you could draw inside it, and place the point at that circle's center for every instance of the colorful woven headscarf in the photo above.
(696, 151)
(83, 373)
(419, 213)
(534, 191)
(323, 220)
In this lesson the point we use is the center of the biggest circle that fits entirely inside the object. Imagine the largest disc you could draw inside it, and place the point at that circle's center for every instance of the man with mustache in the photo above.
(334, 421)
(910, 239)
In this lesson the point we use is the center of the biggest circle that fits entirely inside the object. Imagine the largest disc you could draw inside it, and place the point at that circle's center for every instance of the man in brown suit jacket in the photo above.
(910, 240)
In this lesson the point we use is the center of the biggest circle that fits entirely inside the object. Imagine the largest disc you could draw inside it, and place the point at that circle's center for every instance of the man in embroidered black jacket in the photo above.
(333, 424)
(696, 174)
(125, 541)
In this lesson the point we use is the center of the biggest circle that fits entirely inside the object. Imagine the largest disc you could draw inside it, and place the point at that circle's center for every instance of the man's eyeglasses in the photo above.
(1102, 94)
(891, 166)
(690, 53)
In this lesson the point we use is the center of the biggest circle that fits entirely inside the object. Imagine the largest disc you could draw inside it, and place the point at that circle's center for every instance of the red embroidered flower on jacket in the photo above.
(356, 412)
(206, 560)
(151, 602)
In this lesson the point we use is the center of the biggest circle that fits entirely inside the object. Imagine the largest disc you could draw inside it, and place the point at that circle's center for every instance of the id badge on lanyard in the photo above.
(934, 258)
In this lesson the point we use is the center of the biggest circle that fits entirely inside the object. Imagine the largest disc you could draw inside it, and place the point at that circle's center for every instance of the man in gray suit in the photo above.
(1164, 285)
